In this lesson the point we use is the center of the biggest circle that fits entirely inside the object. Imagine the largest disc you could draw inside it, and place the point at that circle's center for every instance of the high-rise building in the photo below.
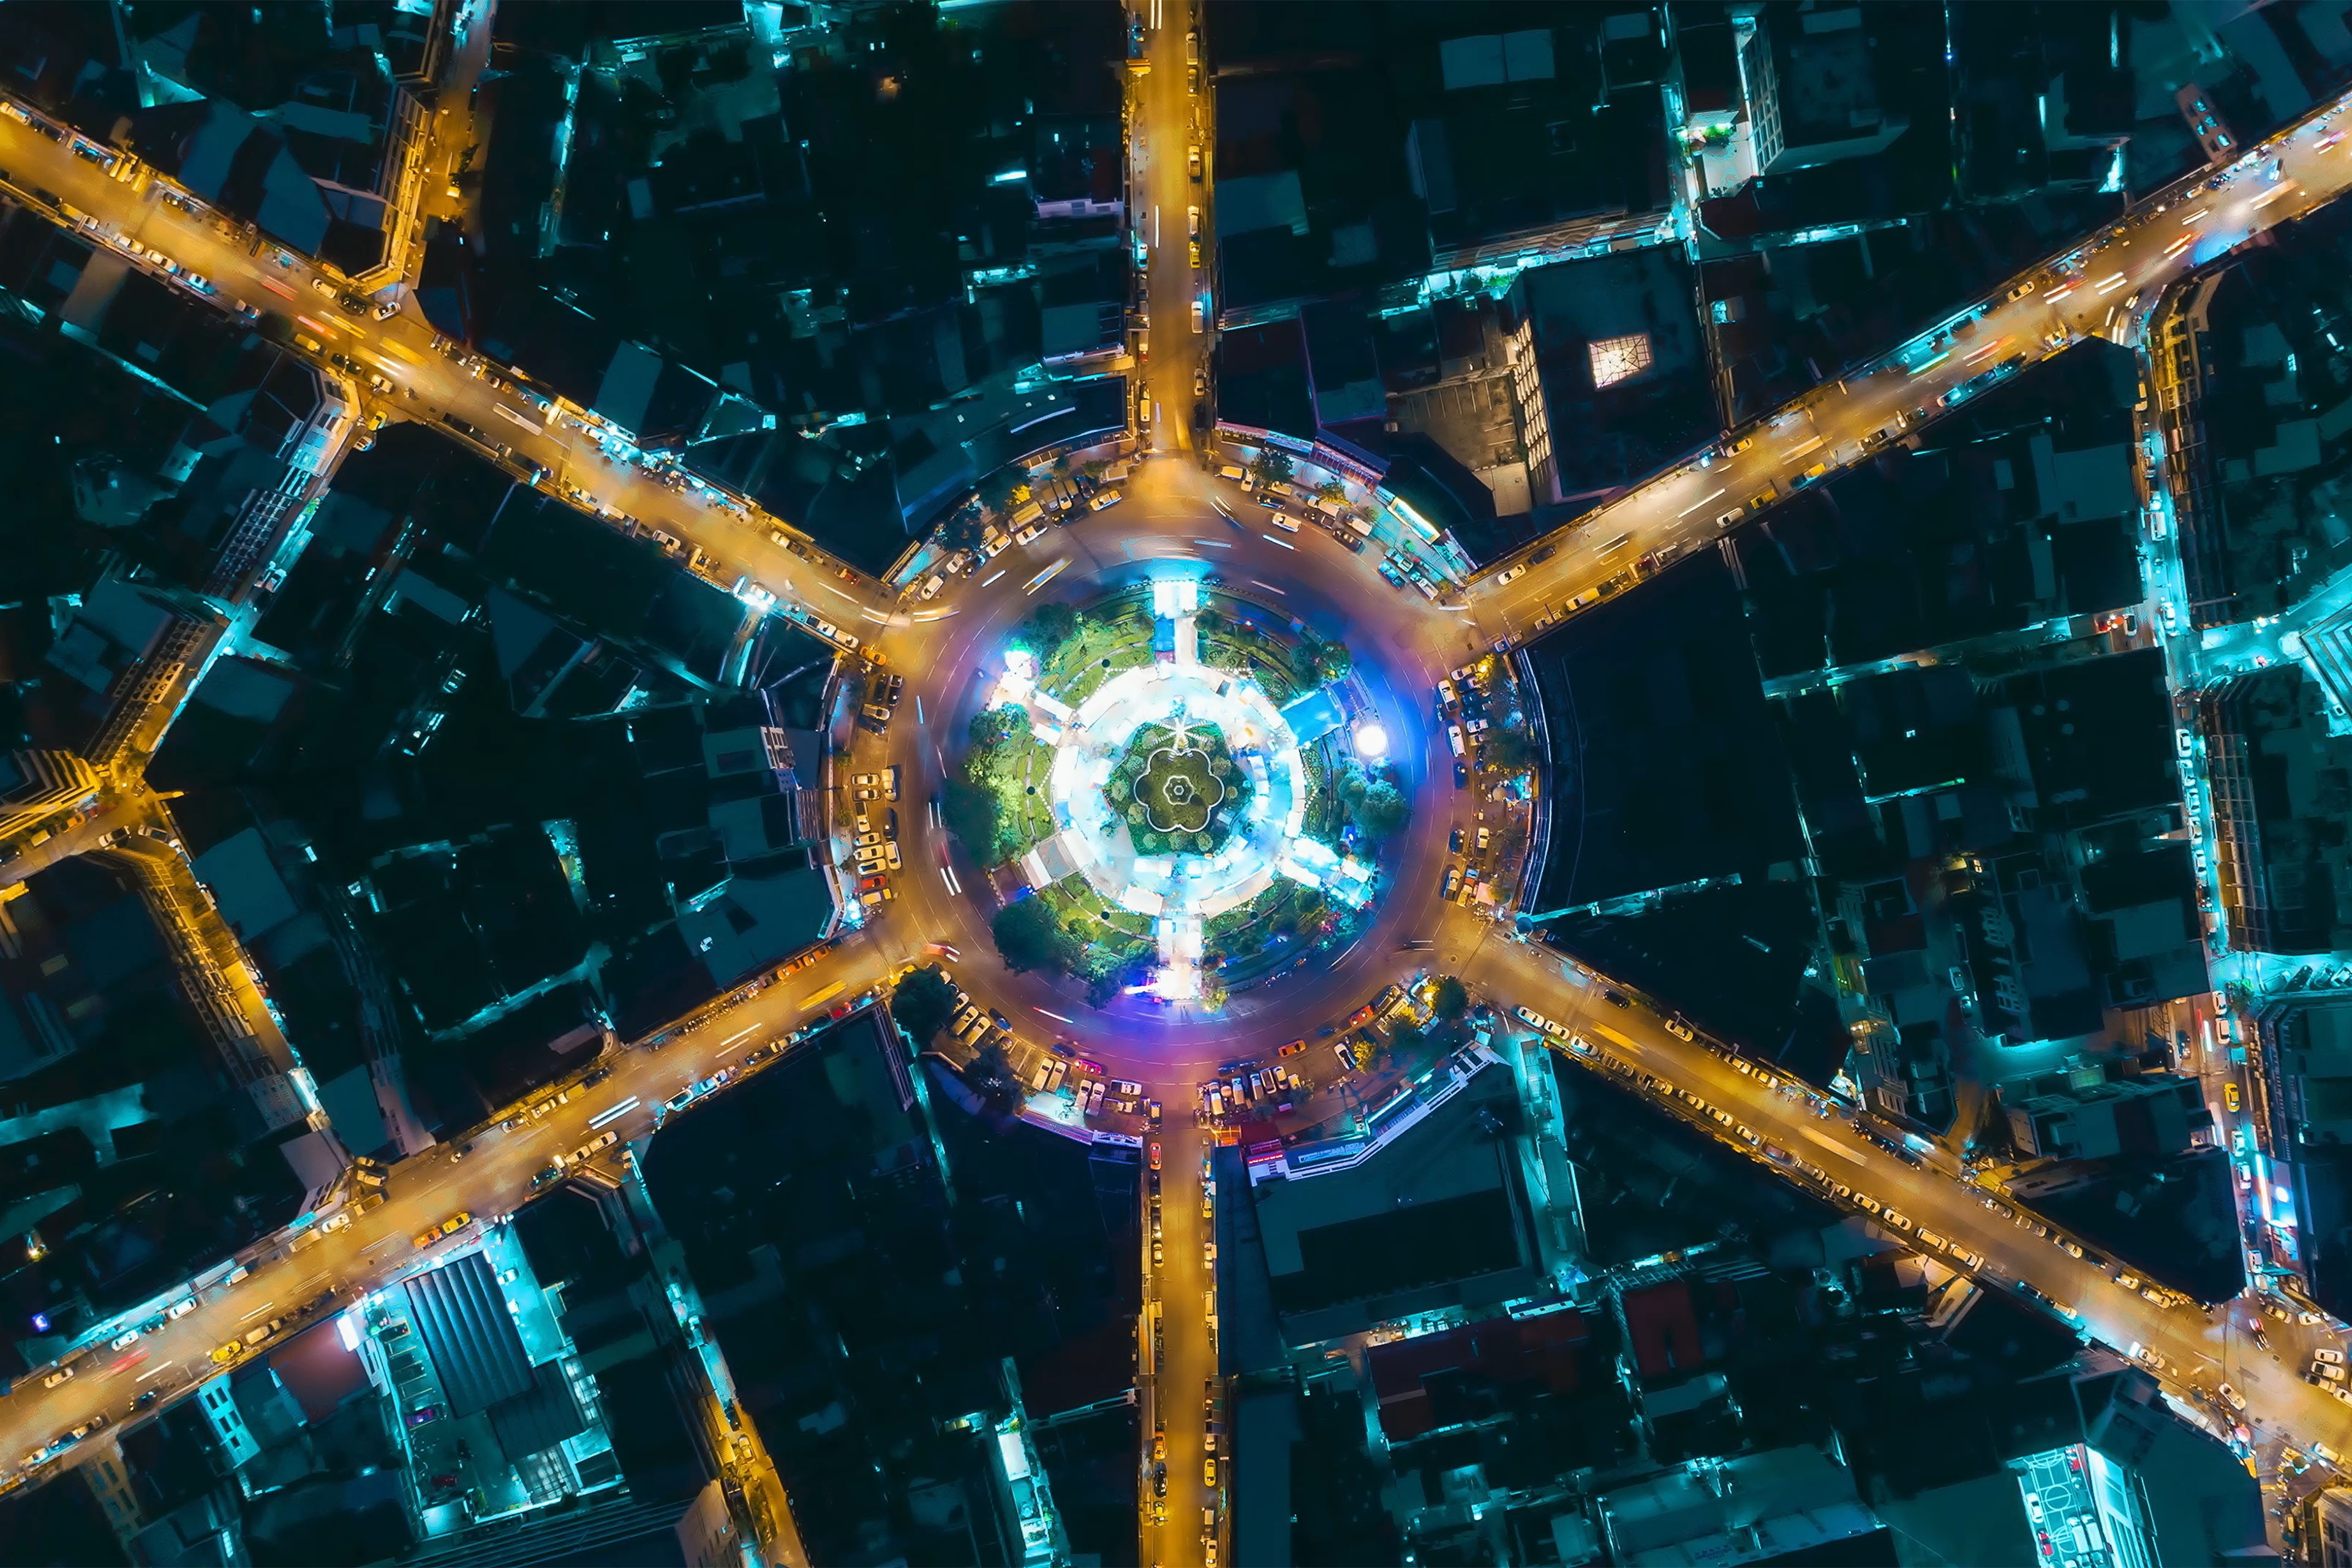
(2106, 1467)
(37, 786)
(1811, 81)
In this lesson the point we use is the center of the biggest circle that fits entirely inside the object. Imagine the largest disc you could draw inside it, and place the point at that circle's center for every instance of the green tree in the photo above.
(971, 813)
(1272, 466)
(1509, 749)
(994, 727)
(1048, 628)
(1326, 661)
(989, 1076)
(1207, 621)
(1331, 490)
(1381, 811)
(923, 1001)
(1450, 999)
(1027, 937)
(997, 491)
(962, 531)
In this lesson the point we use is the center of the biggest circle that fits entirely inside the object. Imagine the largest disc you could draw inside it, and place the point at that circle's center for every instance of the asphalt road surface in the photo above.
(938, 646)
(2104, 286)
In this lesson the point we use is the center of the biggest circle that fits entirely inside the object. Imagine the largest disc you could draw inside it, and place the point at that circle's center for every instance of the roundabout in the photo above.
(1065, 778)
(1179, 791)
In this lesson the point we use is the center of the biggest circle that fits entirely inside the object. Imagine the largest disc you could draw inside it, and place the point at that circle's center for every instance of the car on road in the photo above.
(2230, 1095)
(2332, 1357)
(1678, 1029)
(1155, 1156)
(62, 1374)
(1616, 998)
(2235, 1400)
(424, 1414)
(450, 1227)
(1461, 775)
(1511, 576)
(123, 1342)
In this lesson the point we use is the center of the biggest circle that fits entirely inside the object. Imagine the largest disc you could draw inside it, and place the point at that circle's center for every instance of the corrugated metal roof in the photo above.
(460, 1316)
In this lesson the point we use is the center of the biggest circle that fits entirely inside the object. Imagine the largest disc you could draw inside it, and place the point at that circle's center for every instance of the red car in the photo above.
(872, 884)
(1155, 1156)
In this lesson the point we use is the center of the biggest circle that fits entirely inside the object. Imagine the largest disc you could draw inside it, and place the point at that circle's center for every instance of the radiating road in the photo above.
(1683, 509)
(1183, 1362)
(1169, 176)
(488, 1175)
(2098, 289)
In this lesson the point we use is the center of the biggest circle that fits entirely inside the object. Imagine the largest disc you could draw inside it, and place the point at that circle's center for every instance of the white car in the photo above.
(2332, 1358)
(1511, 576)
(2236, 1400)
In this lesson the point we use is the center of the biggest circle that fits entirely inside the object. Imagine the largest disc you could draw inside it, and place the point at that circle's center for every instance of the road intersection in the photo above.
(2101, 288)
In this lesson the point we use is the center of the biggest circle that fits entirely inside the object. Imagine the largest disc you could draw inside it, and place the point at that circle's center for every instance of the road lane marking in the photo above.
(1832, 1145)
(614, 1114)
(258, 1310)
(1704, 500)
(403, 351)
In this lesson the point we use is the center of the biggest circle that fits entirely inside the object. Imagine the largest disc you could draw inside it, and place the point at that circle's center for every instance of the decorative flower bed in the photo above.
(1179, 789)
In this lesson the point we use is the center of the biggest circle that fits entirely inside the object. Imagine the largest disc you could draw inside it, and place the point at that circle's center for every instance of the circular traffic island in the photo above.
(1172, 781)
(1179, 789)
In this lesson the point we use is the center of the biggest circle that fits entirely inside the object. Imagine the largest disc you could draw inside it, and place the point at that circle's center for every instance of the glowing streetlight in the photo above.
(1372, 740)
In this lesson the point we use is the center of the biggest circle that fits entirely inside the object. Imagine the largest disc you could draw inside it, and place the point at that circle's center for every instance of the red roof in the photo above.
(1662, 1328)
(1503, 1350)
(317, 1370)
